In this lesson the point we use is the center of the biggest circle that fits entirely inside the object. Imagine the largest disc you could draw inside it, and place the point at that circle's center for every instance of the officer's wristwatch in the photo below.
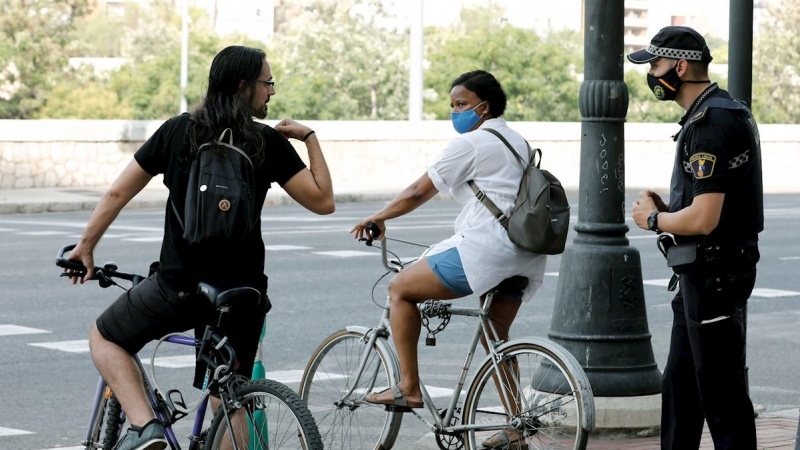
(652, 221)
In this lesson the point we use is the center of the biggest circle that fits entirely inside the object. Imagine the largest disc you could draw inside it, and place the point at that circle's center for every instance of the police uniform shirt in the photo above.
(721, 154)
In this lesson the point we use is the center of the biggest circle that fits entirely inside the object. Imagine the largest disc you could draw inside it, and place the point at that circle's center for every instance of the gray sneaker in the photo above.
(148, 437)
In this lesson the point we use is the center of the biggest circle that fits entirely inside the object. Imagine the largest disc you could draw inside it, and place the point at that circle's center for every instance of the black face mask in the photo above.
(665, 88)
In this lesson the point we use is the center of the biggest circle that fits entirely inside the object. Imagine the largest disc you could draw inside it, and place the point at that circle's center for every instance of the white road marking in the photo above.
(79, 346)
(646, 236)
(551, 274)
(11, 330)
(757, 292)
(43, 233)
(347, 253)
(764, 292)
(173, 362)
(280, 248)
(295, 376)
(66, 448)
(12, 432)
(440, 392)
(789, 258)
(7, 230)
(146, 239)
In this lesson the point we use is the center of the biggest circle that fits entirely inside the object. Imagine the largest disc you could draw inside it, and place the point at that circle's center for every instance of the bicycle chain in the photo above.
(438, 309)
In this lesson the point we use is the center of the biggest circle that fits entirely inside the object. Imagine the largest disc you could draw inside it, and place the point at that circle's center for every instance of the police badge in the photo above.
(702, 165)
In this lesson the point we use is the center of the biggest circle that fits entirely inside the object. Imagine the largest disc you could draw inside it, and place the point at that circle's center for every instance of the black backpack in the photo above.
(539, 222)
(220, 203)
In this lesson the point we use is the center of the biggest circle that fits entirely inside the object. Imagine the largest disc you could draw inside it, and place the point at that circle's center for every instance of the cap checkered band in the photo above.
(675, 53)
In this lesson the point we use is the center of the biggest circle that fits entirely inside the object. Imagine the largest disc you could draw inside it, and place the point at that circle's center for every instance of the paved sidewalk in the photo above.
(774, 433)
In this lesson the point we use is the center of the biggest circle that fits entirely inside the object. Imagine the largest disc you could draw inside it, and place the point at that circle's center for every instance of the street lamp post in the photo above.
(184, 54)
(599, 313)
(415, 66)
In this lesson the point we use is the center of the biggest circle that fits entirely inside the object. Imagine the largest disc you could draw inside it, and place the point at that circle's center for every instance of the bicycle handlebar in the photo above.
(374, 232)
(108, 271)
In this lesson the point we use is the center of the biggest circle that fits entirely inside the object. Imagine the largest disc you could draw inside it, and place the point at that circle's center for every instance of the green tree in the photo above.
(351, 66)
(35, 45)
(776, 72)
(539, 74)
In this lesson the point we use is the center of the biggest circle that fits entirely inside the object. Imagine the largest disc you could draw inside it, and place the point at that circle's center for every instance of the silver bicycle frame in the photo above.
(485, 327)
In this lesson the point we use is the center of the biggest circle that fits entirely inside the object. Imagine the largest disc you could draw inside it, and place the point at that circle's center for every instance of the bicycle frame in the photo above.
(484, 328)
(154, 399)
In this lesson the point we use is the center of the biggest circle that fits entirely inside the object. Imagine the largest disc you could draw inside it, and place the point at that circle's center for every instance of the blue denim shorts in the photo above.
(447, 266)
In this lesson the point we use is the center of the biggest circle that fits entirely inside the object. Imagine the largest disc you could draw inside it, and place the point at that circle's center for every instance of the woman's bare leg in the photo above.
(413, 285)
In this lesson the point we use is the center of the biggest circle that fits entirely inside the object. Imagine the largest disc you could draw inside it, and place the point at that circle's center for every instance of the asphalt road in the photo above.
(320, 281)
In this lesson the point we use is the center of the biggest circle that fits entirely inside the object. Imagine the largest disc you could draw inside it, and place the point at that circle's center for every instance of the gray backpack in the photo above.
(539, 222)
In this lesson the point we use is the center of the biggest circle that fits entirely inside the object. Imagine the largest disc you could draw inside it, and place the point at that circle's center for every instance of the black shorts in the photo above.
(151, 310)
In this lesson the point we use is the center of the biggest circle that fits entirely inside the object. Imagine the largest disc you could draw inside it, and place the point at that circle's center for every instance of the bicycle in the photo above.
(276, 417)
(555, 408)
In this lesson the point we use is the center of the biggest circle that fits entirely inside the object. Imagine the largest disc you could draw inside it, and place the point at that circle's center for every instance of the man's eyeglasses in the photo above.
(268, 83)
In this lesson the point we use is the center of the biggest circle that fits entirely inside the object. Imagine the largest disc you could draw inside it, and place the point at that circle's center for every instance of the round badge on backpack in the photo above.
(224, 205)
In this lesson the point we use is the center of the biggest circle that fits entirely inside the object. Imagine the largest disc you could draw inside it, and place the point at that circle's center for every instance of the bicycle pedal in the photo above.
(398, 409)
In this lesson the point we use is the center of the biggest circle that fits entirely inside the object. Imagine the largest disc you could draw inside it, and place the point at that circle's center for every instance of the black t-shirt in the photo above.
(182, 267)
(720, 152)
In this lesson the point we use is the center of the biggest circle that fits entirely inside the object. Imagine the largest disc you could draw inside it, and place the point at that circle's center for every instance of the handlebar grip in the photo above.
(373, 229)
(62, 261)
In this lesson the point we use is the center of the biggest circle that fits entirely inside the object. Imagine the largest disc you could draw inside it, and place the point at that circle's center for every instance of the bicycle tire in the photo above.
(555, 397)
(289, 424)
(107, 424)
(350, 423)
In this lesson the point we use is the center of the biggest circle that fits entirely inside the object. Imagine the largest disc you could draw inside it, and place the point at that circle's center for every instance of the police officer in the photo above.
(715, 213)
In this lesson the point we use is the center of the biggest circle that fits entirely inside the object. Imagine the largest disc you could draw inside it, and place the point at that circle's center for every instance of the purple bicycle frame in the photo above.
(170, 435)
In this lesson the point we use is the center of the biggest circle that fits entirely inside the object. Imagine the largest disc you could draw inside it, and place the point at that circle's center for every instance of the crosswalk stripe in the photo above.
(172, 362)
(43, 233)
(66, 448)
(346, 253)
(7, 230)
(12, 432)
(11, 330)
(279, 248)
(145, 239)
(765, 292)
(79, 346)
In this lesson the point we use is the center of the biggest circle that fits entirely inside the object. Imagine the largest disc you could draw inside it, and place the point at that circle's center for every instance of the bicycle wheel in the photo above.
(545, 403)
(349, 422)
(107, 423)
(274, 418)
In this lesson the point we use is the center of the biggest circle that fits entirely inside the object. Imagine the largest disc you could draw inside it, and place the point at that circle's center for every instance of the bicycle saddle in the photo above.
(512, 285)
(231, 297)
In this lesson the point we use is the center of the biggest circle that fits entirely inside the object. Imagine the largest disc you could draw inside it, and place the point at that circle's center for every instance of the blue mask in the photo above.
(464, 121)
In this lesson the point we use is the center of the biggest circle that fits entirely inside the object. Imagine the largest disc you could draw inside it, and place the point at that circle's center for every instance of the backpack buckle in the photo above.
(480, 194)
(503, 220)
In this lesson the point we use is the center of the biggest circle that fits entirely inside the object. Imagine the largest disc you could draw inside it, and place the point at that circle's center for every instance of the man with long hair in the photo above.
(240, 85)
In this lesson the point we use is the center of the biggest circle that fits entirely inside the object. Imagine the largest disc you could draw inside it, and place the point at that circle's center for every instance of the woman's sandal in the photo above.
(501, 441)
(398, 400)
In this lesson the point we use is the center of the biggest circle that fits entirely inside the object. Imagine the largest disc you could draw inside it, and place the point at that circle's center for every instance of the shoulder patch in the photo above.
(702, 165)
(699, 115)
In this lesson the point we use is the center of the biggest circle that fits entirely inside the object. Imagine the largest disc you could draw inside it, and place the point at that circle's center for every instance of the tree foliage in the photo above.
(351, 66)
(776, 70)
(35, 45)
(334, 60)
(538, 74)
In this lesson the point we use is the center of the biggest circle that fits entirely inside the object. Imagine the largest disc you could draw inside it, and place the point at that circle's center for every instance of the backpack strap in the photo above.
(228, 144)
(483, 198)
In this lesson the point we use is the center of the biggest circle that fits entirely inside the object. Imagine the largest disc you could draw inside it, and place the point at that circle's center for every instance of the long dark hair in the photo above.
(225, 105)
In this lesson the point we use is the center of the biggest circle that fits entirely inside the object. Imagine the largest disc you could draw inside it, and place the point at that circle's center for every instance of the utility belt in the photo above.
(719, 261)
